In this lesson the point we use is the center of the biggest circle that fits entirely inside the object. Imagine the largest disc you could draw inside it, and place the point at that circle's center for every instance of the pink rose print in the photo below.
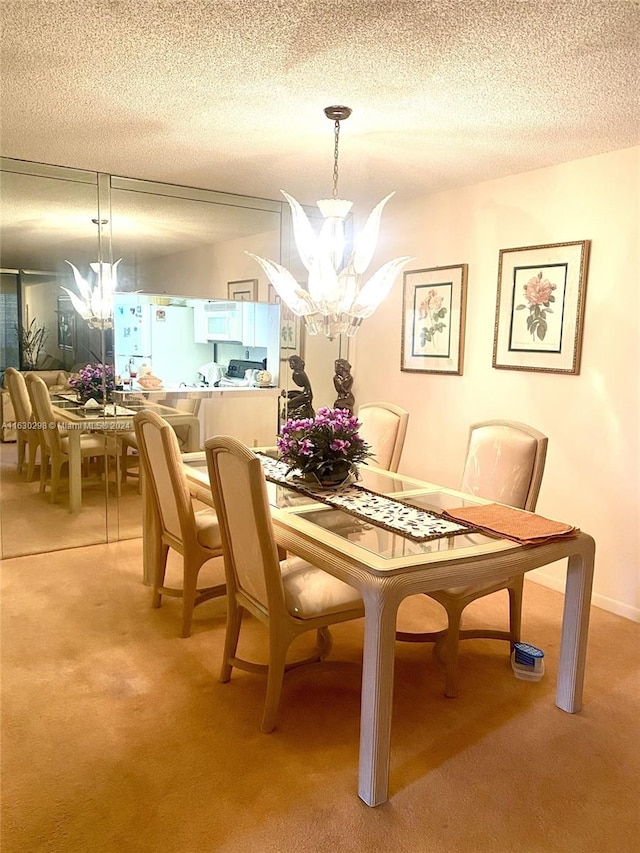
(431, 310)
(539, 294)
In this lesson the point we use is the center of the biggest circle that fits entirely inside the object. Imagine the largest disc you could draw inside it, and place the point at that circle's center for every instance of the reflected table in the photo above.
(110, 421)
(386, 568)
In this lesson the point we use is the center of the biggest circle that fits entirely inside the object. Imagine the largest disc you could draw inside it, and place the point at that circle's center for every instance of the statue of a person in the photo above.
(299, 403)
(343, 382)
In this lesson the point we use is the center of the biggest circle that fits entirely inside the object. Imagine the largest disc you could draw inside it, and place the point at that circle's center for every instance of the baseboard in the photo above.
(601, 601)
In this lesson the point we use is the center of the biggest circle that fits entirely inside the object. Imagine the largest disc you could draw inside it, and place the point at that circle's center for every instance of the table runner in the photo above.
(392, 514)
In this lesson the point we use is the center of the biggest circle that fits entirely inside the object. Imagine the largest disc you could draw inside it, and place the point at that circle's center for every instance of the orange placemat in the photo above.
(524, 527)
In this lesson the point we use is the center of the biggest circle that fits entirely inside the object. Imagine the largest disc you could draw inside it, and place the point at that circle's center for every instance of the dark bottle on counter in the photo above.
(118, 383)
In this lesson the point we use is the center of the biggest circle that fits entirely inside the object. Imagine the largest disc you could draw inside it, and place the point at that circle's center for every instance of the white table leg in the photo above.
(575, 624)
(381, 611)
(75, 471)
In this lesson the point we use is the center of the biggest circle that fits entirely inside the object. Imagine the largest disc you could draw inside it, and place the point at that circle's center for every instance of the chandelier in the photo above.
(338, 297)
(95, 302)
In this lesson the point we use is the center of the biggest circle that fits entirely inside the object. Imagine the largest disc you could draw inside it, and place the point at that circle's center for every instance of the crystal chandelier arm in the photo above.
(78, 304)
(365, 243)
(81, 283)
(303, 233)
(286, 286)
(377, 287)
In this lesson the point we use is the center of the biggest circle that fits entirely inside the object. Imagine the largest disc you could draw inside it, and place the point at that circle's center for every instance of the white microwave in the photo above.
(217, 321)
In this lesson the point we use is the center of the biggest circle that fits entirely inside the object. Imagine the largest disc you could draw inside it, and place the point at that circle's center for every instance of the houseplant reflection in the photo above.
(94, 382)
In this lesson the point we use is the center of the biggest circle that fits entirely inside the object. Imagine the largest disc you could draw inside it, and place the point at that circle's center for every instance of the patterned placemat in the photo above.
(510, 523)
(390, 513)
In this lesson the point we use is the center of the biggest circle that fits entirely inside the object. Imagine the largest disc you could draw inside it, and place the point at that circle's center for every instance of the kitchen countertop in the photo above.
(189, 393)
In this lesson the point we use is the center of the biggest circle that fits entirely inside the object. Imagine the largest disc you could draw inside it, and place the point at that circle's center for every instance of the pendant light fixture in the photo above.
(95, 303)
(338, 297)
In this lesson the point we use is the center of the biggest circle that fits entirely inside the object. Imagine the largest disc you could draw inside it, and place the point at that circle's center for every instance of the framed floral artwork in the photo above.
(243, 291)
(540, 307)
(433, 318)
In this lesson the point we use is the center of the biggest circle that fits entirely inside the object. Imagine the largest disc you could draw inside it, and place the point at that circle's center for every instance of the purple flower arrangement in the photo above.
(89, 381)
(325, 446)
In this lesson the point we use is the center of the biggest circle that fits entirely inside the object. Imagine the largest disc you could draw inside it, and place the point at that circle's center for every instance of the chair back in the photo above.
(192, 407)
(19, 395)
(505, 463)
(162, 464)
(240, 498)
(384, 427)
(43, 413)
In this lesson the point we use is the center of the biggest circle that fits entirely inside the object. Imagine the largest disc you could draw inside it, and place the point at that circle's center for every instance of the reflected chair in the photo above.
(289, 596)
(185, 425)
(26, 435)
(504, 463)
(384, 427)
(194, 535)
(54, 443)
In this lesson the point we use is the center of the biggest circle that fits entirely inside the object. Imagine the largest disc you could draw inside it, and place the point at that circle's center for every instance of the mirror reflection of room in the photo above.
(179, 259)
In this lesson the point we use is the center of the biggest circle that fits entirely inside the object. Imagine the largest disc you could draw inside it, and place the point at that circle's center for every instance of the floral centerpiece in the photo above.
(326, 448)
(93, 382)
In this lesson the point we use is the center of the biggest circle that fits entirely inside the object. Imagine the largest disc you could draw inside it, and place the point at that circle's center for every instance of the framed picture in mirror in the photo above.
(66, 324)
(243, 291)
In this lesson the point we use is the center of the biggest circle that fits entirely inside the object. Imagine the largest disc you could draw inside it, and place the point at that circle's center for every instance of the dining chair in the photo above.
(54, 443)
(27, 437)
(185, 425)
(290, 596)
(384, 427)
(194, 535)
(504, 463)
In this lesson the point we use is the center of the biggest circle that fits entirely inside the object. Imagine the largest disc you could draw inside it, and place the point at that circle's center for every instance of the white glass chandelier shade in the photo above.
(338, 296)
(95, 302)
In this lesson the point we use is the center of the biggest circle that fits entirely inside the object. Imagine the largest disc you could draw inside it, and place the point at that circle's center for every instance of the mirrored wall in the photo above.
(173, 241)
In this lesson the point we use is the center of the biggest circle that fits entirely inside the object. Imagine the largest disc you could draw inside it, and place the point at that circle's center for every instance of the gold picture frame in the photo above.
(434, 302)
(540, 307)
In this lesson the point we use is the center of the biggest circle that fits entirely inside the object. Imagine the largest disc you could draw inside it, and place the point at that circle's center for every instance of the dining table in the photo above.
(387, 567)
(111, 420)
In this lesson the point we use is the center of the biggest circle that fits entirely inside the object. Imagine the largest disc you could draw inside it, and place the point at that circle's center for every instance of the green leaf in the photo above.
(520, 307)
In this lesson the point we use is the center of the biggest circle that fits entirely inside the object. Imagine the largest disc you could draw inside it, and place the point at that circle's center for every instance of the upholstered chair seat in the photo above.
(310, 592)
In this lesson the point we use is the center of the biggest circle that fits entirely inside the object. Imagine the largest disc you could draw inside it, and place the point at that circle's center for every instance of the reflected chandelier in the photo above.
(337, 298)
(95, 303)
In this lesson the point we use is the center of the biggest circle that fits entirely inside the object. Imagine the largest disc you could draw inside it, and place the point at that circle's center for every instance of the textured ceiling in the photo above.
(229, 95)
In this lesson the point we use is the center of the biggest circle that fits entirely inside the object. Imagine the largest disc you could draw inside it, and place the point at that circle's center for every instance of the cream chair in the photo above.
(504, 463)
(384, 427)
(185, 425)
(26, 434)
(54, 443)
(194, 535)
(289, 596)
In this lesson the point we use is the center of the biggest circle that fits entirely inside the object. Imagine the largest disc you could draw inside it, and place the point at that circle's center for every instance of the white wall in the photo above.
(593, 463)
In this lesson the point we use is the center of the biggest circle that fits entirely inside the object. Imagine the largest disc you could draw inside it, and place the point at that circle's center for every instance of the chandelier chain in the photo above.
(335, 159)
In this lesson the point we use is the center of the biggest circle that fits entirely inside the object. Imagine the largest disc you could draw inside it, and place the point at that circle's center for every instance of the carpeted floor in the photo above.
(117, 735)
(31, 524)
